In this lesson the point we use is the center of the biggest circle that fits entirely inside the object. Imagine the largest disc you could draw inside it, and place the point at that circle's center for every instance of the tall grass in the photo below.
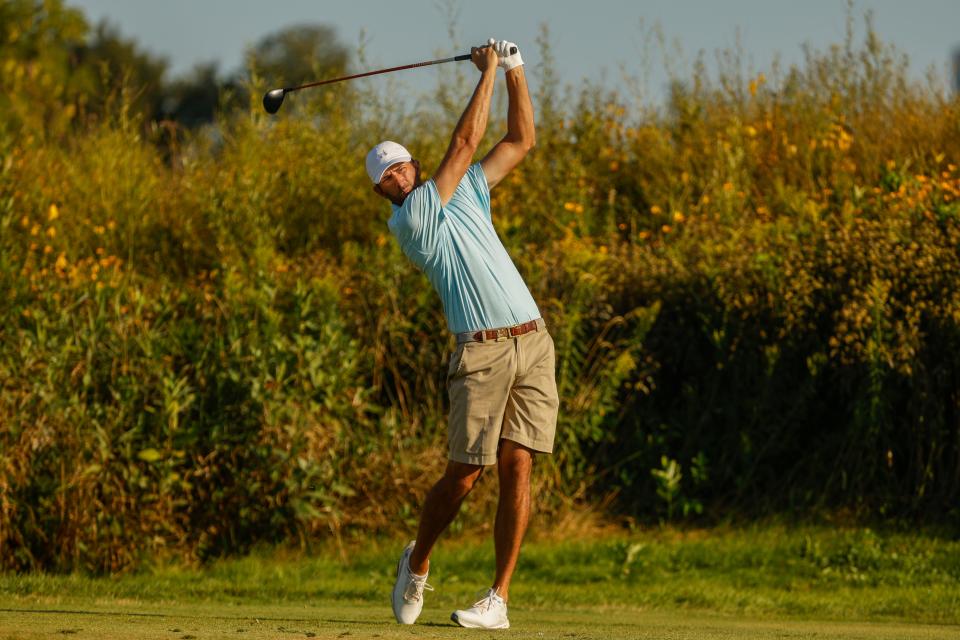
(754, 294)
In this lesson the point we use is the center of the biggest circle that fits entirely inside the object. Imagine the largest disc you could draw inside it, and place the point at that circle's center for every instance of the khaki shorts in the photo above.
(502, 390)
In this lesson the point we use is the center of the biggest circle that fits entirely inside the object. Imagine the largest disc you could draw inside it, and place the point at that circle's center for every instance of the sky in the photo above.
(594, 39)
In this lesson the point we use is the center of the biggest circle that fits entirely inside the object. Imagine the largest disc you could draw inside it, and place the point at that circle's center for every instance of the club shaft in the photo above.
(460, 58)
(379, 71)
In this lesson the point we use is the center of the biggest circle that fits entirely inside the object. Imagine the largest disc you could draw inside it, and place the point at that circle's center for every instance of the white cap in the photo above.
(382, 156)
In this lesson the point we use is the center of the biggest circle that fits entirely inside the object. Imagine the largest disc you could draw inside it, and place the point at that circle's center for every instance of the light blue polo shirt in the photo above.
(458, 249)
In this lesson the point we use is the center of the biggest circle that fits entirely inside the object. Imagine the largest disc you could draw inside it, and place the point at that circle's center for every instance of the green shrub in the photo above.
(753, 293)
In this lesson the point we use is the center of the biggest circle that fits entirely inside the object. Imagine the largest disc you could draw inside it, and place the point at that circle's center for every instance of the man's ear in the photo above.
(377, 190)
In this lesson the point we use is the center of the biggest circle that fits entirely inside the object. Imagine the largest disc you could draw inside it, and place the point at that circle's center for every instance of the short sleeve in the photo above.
(479, 188)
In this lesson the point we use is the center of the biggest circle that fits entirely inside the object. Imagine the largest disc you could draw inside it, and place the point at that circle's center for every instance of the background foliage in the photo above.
(209, 339)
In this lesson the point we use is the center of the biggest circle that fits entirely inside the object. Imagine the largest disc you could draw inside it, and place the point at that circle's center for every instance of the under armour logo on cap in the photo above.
(383, 156)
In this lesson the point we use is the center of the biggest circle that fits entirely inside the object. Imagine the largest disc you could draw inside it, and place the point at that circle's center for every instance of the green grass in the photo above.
(761, 582)
(350, 620)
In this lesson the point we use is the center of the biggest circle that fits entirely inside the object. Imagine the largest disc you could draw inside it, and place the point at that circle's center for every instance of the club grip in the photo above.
(466, 56)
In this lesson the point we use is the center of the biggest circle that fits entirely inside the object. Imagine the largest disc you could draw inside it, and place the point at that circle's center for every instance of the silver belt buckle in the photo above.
(503, 334)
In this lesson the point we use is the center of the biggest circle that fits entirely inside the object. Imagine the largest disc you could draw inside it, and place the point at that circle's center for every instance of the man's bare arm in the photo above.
(521, 133)
(471, 127)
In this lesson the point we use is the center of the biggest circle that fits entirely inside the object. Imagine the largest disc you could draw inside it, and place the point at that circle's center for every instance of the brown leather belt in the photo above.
(501, 334)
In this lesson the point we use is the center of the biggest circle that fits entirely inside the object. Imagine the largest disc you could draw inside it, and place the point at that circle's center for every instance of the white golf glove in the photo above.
(506, 59)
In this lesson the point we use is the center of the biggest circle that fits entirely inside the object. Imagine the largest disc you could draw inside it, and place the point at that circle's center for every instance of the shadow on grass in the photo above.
(107, 614)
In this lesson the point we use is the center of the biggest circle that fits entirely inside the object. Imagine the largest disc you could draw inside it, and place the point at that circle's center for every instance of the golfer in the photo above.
(500, 379)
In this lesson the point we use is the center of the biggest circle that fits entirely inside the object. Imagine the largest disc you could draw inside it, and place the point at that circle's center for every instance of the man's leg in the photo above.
(515, 462)
(441, 507)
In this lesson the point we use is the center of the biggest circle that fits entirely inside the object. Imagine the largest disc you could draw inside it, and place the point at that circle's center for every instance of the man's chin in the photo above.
(403, 196)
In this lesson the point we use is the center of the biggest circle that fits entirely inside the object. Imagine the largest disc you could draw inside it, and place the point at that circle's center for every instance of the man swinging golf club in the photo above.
(501, 380)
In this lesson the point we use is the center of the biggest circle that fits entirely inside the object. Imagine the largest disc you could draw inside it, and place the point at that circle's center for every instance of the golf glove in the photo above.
(505, 58)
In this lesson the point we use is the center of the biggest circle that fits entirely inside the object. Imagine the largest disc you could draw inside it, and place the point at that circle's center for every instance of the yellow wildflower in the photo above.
(53, 213)
(844, 139)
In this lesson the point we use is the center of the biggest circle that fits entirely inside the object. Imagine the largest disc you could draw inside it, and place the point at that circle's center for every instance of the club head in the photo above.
(272, 100)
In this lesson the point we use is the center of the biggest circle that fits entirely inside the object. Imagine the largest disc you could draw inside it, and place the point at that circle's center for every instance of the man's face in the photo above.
(398, 181)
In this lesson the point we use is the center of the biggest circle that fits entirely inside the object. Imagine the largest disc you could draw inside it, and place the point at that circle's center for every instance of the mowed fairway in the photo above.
(359, 620)
(766, 582)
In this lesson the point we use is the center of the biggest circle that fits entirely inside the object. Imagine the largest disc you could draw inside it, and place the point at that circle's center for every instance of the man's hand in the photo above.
(507, 60)
(484, 57)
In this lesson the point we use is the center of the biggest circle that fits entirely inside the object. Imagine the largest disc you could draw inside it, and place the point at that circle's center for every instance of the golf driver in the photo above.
(273, 99)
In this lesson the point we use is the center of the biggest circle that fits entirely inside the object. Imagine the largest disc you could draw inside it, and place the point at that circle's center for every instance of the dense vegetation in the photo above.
(214, 342)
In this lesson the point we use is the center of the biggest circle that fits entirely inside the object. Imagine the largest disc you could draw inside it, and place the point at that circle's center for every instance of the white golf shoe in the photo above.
(490, 612)
(407, 596)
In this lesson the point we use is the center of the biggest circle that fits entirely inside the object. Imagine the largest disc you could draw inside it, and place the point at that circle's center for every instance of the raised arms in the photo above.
(521, 134)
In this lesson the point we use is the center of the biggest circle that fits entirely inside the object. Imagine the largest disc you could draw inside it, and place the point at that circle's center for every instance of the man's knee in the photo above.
(460, 478)
(514, 458)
